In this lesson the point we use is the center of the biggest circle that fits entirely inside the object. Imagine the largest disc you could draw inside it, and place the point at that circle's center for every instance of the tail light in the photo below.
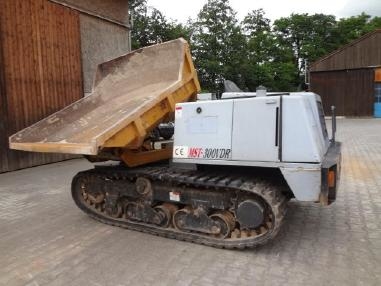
(331, 178)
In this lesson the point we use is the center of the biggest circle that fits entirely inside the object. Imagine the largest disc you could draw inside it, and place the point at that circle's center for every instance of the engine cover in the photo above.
(276, 128)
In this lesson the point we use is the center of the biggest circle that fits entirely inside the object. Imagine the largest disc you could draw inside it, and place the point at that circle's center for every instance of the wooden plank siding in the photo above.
(351, 91)
(3, 114)
(361, 53)
(40, 67)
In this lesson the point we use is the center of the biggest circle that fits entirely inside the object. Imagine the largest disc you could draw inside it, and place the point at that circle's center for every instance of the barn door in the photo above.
(3, 136)
(41, 67)
(3, 111)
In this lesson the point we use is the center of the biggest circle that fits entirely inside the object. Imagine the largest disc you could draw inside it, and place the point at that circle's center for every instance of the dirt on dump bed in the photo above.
(123, 88)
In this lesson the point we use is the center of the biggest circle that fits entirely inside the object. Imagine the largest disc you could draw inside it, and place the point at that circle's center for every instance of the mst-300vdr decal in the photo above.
(201, 153)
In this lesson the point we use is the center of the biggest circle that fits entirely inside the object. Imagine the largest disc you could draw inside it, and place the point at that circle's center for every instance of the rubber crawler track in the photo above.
(269, 192)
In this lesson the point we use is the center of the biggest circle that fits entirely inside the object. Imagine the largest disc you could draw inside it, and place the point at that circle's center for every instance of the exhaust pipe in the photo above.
(333, 109)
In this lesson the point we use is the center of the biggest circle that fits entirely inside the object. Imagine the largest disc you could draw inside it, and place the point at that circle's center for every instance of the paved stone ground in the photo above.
(46, 240)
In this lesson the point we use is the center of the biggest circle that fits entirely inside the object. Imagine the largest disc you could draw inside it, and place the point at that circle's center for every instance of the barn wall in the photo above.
(100, 41)
(41, 68)
(104, 33)
(3, 114)
(364, 52)
(114, 10)
(351, 91)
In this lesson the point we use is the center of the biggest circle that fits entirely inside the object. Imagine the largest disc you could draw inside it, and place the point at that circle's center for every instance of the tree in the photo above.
(349, 29)
(308, 36)
(150, 26)
(268, 62)
(259, 37)
(374, 23)
(252, 52)
(218, 45)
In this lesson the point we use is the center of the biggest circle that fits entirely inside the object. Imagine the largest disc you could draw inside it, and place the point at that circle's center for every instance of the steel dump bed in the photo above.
(131, 95)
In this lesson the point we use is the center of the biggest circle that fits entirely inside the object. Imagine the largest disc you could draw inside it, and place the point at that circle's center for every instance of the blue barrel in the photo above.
(377, 109)
(377, 102)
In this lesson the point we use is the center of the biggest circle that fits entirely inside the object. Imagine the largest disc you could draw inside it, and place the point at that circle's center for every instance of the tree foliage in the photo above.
(268, 62)
(150, 26)
(252, 52)
(217, 44)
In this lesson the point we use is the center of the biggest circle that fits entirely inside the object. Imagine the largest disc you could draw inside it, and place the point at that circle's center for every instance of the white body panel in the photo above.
(205, 96)
(197, 133)
(286, 132)
(303, 139)
(262, 146)
(304, 182)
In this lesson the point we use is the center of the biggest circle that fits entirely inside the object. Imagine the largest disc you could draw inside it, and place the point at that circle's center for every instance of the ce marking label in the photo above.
(180, 152)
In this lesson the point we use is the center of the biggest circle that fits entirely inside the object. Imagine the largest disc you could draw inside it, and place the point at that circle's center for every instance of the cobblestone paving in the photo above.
(46, 240)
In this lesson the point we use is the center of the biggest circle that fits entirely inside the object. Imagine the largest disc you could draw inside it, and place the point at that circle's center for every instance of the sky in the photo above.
(181, 10)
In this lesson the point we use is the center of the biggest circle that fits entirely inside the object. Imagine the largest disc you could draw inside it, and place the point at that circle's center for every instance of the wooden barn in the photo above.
(49, 51)
(350, 77)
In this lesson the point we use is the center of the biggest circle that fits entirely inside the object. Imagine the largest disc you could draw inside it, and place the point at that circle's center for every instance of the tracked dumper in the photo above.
(224, 180)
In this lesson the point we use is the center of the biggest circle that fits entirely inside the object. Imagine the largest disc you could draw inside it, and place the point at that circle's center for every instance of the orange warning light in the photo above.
(331, 179)
(377, 75)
